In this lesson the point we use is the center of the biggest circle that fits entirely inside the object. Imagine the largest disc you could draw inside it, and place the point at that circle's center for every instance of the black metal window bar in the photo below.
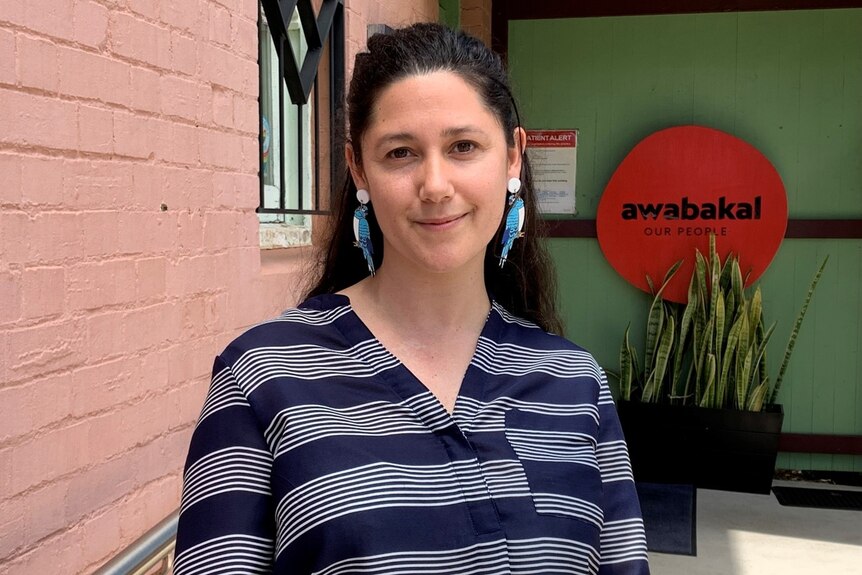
(300, 80)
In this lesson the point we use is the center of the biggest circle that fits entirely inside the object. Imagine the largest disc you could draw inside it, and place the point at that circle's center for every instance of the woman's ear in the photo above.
(516, 152)
(355, 168)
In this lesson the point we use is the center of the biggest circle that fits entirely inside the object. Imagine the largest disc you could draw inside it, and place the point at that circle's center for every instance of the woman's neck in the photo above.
(423, 305)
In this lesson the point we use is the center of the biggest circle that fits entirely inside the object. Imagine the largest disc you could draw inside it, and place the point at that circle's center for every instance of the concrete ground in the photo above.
(745, 534)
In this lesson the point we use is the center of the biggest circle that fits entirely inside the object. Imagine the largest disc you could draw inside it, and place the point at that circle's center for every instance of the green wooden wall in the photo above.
(789, 83)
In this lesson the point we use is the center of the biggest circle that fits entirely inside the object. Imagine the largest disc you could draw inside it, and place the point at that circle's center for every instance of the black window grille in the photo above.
(323, 34)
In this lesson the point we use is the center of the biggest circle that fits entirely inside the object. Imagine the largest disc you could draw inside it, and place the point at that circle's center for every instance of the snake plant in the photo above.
(710, 352)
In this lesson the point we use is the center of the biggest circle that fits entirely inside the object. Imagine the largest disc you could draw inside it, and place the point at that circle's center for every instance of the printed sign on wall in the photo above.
(675, 188)
(554, 158)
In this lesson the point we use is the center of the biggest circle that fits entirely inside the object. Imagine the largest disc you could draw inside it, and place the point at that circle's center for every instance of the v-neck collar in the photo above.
(400, 379)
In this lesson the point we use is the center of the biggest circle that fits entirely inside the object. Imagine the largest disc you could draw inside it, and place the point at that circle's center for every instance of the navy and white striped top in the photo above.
(317, 451)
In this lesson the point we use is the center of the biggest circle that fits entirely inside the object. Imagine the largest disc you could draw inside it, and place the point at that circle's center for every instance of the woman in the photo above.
(414, 414)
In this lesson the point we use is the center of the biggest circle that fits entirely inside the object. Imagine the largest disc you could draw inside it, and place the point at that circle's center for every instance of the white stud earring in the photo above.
(363, 196)
(514, 185)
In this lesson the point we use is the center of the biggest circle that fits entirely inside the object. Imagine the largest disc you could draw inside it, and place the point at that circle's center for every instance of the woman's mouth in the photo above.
(440, 223)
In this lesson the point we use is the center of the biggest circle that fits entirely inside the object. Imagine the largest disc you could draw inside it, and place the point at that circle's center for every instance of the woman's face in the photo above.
(435, 162)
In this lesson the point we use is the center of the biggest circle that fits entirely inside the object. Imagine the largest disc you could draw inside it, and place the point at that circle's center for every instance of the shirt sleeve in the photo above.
(623, 539)
(226, 522)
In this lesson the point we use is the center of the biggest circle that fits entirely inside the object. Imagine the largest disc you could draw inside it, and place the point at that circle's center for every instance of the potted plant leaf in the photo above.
(700, 408)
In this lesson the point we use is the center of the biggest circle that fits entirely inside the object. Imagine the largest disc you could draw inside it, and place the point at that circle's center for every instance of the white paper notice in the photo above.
(554, 158)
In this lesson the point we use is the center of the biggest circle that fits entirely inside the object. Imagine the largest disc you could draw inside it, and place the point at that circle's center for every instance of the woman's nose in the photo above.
(434, 185)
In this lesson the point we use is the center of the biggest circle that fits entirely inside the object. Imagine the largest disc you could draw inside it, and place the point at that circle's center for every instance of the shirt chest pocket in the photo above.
(558, 454)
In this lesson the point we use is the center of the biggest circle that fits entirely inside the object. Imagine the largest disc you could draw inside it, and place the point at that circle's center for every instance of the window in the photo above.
(293, 110)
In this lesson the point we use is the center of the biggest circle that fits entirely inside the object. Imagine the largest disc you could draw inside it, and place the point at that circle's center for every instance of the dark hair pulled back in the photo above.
(526, 285)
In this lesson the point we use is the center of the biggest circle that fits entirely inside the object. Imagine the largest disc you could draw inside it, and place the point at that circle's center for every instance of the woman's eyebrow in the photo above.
(455, 131)
(461, 130)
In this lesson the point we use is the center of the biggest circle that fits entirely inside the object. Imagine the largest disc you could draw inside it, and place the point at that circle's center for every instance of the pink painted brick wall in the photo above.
(111, 306)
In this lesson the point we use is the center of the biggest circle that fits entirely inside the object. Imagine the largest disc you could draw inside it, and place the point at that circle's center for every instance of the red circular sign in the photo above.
(675, 188)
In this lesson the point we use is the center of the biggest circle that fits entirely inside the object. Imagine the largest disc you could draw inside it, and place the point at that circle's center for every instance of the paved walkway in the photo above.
(744, 534)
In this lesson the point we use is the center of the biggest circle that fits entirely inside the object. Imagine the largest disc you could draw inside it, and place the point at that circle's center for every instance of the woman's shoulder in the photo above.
(528, 331)
(313, 322)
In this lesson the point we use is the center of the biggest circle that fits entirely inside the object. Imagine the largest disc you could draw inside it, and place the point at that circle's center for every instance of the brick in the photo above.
(160, 229)
(244, 36)
(41, 181)
(190, 362)
(192, 275)
(205, 105)
(101, 387)
(245, 113)
(146, 90)
(141, 41)
(152, 503)
(179, 97)
(63, 549)
(231, 5)
(104, 333)
(219, 25)
(152, 370)
(12, 12)
(248, 192)
(187, 188)
(90, 24)
(34, 351)
(95, 285)
(52, 455)
(32, 413)
(150, 277)
(249, 9)
(102, 485)
(38, 63)
(94, 76)
(13, 513)
(13, 237)
(38, 121)
(223, 109)
(7, 65)
(133, 135)
(184, 53)
(221, 67)
(148, 8)
(183, 14)
(42, 292)
(250, 155)
(220, 230)
(5, 360)
(216, 312)
(146, 186)
(51, 17)
(190, 228)
(225, 187)
(101, 233)
(45, 514)
(173, 142)
(221, 150)
(53, 237)
(101, 536)
(10, 175)
(96, 184)
(10, 295)
(153, 326)
(95, 130)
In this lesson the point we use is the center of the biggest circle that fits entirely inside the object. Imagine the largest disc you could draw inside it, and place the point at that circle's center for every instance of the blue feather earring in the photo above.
(361, 229)
(514, 218)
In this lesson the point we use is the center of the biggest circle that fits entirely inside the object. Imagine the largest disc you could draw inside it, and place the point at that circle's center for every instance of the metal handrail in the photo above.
(152, 547)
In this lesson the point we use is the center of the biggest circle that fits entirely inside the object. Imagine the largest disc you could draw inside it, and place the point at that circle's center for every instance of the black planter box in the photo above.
(709, 448)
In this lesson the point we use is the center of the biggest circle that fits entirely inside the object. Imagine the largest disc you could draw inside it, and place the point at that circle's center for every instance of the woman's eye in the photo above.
(399, 153)
(464, 147)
